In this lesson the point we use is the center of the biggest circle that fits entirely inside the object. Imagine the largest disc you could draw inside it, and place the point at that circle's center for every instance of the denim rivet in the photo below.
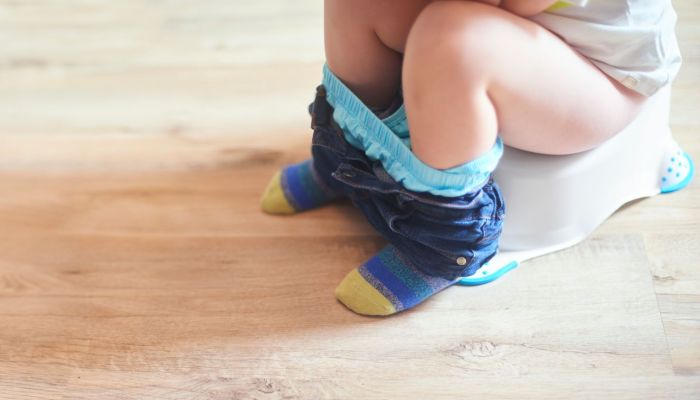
(461, 261)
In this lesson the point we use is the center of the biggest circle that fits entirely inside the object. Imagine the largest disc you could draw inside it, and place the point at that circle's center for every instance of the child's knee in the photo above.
(456, 29)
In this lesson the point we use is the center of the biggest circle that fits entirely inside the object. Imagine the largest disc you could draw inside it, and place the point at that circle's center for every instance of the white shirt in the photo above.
(633, 41)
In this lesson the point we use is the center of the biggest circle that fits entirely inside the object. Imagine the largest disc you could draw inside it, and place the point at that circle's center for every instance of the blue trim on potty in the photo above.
(680, 185)
(483, 275)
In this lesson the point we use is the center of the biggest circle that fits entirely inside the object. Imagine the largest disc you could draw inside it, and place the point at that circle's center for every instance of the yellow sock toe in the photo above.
(273, 200)
(361, 297)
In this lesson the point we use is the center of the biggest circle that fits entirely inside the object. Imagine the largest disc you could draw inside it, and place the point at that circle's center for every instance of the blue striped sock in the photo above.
(386, 284)
(295, 188)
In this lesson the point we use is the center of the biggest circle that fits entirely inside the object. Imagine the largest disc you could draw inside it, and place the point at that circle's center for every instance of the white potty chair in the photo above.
(553, 202)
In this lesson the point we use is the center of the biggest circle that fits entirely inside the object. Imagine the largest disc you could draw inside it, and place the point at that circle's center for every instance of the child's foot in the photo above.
(387, 284)
(295, 188)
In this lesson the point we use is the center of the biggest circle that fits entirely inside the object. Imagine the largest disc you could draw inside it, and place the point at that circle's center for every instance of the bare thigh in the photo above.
(546, 96)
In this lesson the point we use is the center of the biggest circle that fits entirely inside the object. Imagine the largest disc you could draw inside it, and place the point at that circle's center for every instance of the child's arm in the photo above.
(526, 8)
(496, 3)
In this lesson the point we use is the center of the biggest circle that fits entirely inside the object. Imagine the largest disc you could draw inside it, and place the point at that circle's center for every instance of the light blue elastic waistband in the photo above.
(367, 132)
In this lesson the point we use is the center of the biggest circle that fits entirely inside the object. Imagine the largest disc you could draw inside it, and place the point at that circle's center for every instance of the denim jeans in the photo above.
(448, 237)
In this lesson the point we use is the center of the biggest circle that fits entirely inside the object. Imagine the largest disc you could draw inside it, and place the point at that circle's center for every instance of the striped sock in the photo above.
(295, 188)
(386, 284)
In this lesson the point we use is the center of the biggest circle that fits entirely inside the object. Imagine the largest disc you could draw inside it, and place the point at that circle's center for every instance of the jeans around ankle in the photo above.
(448, 237)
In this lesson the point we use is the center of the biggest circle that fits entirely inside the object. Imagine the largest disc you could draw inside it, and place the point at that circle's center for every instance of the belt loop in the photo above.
(320, 108)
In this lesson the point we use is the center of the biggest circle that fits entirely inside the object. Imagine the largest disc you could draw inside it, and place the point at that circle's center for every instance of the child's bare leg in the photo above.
(472, 71)
(364, 40)
(433, 247)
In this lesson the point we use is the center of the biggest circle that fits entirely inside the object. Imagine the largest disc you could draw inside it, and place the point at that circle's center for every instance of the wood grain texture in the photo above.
(135, 141)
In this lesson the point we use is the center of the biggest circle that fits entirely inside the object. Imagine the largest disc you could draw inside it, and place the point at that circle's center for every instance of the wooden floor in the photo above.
(135, 263)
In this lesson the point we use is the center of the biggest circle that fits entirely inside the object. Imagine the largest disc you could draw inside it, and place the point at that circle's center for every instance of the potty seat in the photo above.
(553, 202)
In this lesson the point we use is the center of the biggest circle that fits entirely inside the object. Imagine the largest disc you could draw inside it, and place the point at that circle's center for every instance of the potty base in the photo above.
(553, 202)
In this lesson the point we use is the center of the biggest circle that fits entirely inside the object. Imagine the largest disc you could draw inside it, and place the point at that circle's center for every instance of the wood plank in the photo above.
(135, 141)
(162, 283)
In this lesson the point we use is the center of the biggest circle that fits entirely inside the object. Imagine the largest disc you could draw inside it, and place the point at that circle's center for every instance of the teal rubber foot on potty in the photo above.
(678, 171)
(488, 273)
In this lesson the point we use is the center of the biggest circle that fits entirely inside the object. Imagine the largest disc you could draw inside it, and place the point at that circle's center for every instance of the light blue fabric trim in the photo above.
(367, 132)
(397, 122)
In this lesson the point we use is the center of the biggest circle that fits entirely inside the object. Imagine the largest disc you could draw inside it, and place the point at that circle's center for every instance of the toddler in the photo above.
(466, 76)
